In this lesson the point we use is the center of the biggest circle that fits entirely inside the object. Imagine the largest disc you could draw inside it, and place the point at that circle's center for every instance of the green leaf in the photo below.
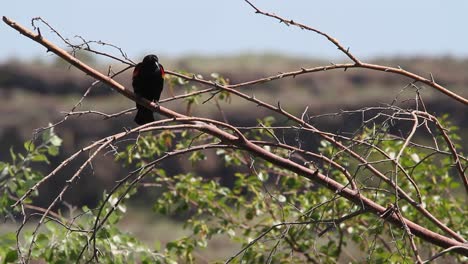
(40, 158)
(56, 141)
(42, 240)
(262, 176)
(415, 157)
(231, 232)
(11, 256)
(281, 198)
(12, 154)
(29, 146)
(4, 169)
(157, 245)
(171, 261)
(53, 150)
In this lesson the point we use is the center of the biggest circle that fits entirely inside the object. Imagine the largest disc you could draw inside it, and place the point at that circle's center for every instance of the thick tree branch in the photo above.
(352, 195)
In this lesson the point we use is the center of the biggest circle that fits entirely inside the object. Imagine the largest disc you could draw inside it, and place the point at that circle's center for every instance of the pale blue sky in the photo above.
(217, 27)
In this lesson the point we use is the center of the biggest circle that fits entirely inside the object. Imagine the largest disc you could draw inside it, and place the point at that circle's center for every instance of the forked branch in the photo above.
(235, 138)
(356, 62)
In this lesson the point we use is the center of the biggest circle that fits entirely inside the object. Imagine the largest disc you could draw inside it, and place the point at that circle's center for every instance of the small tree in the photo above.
(387, 196)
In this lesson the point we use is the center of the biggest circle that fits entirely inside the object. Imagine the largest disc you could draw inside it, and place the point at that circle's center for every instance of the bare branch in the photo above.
(302, 26)
(357, 63)
(232, 137)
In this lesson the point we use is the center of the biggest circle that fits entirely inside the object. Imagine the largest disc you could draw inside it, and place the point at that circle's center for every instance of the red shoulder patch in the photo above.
(162, 70)
(136, 71)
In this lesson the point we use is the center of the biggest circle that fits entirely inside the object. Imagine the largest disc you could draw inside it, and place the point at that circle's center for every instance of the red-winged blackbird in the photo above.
(148, 82)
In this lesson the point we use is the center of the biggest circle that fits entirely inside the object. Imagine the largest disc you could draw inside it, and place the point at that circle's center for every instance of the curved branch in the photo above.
(336, 187)
(332, 138)
(302, 26)
(357, 63)
(450, 145)
(332, 163)
(143, 172)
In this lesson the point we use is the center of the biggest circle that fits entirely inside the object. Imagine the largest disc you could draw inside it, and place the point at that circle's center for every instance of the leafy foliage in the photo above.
(17, 176)
(269, 213)
(295, 219)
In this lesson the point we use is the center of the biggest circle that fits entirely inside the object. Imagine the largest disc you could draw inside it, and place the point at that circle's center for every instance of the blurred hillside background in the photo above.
(33, 94)
(203, 37)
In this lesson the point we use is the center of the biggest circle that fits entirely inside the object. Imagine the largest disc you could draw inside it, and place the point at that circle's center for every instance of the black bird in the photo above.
(147, 82)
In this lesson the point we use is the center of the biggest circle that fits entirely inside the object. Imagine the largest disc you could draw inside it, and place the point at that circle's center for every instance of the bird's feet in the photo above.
(157, 104)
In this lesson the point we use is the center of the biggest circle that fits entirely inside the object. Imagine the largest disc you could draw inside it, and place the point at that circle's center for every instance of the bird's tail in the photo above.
(143, 115)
